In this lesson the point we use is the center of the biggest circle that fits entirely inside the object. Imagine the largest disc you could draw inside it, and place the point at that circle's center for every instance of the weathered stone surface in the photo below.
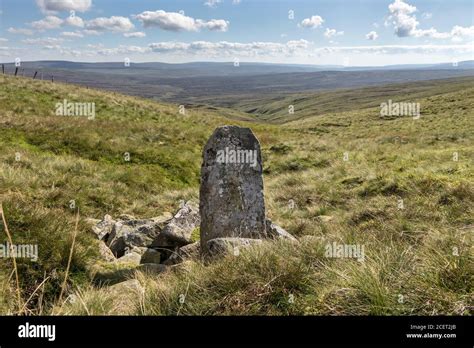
(180, 228)
(231, 192)
(105, 253)
(132, 285)
(151, 256)
(127, 234)
(138, 250)
(130, 259)
(124, 294)
(190, 251)
(103, 228)
(163, 218)
(220, 246)
(276, 232)
(116, 239)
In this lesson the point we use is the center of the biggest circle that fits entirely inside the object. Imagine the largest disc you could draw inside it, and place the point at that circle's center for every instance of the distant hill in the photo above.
(194, 69)
(195, 83)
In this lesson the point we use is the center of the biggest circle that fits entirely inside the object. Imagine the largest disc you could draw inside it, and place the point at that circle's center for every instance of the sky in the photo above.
(327, 32)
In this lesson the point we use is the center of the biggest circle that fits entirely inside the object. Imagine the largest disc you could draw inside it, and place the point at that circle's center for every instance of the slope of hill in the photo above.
(275, 108)
(345, 171)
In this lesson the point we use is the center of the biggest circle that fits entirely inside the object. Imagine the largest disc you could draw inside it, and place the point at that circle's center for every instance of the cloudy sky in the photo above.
(350, 32)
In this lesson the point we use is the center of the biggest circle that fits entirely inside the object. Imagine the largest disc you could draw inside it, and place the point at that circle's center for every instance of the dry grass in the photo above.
(417, 257)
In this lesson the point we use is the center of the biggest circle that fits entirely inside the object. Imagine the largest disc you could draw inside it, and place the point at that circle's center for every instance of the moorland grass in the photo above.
(400, 193)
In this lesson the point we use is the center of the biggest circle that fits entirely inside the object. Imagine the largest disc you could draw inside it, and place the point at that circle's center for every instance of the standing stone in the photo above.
(231, 194)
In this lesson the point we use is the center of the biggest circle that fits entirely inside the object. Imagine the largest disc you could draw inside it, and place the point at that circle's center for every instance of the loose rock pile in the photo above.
(158, 240)
(166, 239)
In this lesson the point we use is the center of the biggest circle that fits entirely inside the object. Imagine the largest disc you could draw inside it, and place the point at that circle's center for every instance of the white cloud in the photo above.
(3, 40)
(231, 49)
(174, 21)
(212, 3)
(53, 22)
(95, 46)
(213, 24)
(49, 22)
(114, 24)
(332, 32)
(21, 31)
(313, 22)
(427, 15)
(400, 49)
(236, 2)
(43, 41)
(51, 6)
(91, 32)
(51, 47)
(122, 49)
(74, 21)
(135, 34)
(372, 36)
(458, 33)
(403, 19)
(169, 46)
(72, 34)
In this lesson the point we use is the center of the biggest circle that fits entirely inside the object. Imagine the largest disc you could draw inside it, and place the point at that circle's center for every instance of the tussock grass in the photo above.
(418, 257)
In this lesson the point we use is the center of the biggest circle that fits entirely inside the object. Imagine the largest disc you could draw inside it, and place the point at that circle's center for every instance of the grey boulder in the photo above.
(276, 232)
(190, 251)
(178, 231)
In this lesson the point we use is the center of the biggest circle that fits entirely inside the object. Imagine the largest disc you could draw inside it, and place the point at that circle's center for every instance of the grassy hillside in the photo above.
(274, 108)
(417, 258)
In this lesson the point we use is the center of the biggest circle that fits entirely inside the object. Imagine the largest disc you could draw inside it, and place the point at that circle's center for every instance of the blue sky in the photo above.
(357, 32)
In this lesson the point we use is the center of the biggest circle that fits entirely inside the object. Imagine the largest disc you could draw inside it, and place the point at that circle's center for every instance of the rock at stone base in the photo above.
(179, 230)
(103, 228)
(126, 235)
(190, 251)
(276, 232)
(124, 294)
(105, 253)
(151, 256)
(131, 259)
(131, 285)
(116, 240)
(163, 218)
(221, 246)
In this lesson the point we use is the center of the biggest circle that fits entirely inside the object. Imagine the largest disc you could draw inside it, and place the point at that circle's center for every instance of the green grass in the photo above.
(274, 108)
(409, 252)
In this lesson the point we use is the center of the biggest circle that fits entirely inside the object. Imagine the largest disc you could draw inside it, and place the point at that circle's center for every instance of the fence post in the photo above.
(16, 71)
(36, 73)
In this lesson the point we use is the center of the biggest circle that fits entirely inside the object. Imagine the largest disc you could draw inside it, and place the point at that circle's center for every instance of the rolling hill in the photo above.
(345, 168)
